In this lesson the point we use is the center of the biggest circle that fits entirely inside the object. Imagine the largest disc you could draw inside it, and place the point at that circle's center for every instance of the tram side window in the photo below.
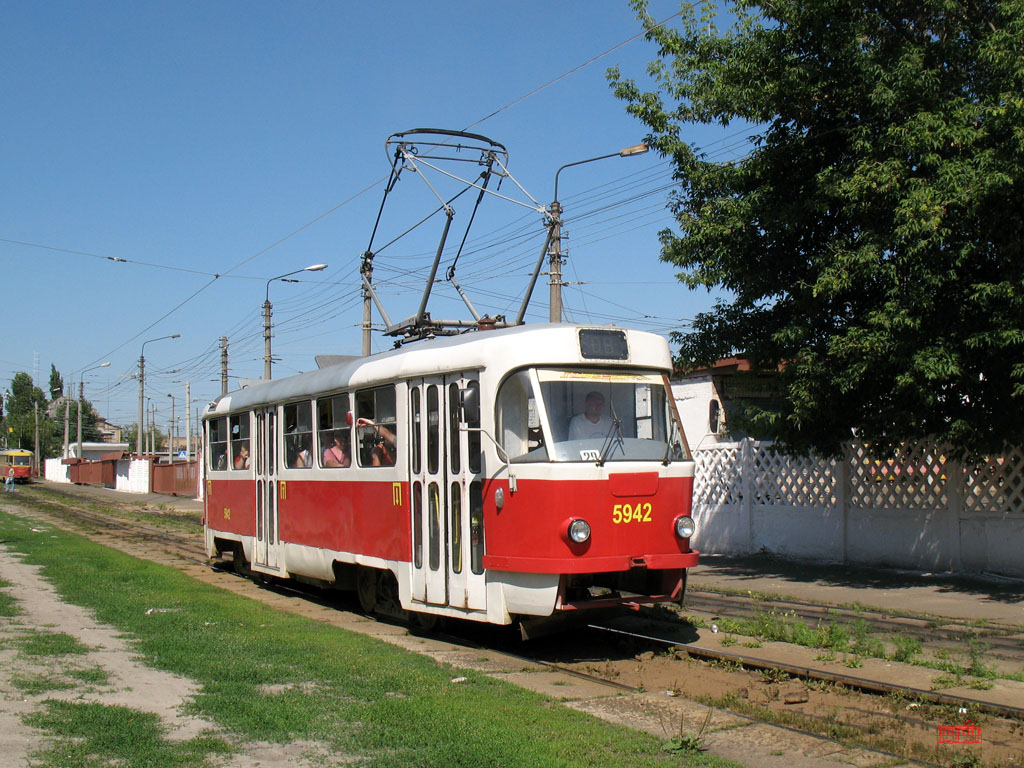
(240, 446)
(218, 443)
(376, 427)
(334, 432)
(298, 435)
(518, 423)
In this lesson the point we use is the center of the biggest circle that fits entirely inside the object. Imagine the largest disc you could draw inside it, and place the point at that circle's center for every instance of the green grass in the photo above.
(92, 735)
(40, 643)
(8, 605)
(254, 667)
(38, 684)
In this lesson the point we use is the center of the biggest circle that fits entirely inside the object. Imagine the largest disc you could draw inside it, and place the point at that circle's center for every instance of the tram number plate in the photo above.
(632, 513)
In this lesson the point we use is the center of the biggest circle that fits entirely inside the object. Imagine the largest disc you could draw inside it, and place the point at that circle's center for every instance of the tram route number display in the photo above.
(602, 344)
(632, 513)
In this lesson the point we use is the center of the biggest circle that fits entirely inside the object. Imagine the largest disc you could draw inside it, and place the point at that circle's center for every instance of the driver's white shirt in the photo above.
(582, 428)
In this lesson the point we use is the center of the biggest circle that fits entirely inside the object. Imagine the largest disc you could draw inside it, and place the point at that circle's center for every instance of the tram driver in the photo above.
(593, 422)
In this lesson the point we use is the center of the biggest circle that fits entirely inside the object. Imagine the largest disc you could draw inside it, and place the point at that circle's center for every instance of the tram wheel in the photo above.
(366, 588)
(424, 622)
(238, 561)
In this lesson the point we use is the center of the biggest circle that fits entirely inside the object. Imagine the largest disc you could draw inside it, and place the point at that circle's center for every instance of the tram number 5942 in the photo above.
(632, 513)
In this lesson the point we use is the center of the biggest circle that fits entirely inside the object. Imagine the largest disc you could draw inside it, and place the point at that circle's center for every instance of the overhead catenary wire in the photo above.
(325, 300)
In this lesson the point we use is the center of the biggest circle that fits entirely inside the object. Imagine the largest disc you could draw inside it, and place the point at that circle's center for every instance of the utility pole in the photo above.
(266, 337)
(142, 376)
(81, 397)
(555, 272)
(35, 456)
(188, 420)
(267, 359)
(170, 433)
(555, 225)
(67, 406)
(223, 365)
(366, 268)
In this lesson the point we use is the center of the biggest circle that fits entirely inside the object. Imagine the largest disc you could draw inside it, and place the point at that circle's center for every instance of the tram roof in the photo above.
(534, 344)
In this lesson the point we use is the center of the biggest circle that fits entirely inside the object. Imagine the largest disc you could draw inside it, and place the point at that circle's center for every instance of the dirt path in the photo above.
(128, 682)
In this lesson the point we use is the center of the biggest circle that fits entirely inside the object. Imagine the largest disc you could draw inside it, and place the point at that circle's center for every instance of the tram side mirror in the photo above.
(469, 405)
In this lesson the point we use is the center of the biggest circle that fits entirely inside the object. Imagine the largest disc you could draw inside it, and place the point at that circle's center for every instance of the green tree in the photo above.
(90, 433)
(869, 244)
(56, 383)
(20, 417)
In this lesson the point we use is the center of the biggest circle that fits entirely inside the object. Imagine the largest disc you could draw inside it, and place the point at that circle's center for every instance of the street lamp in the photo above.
(266, 313)
(81, 398)
(555, 224)
(142, 388)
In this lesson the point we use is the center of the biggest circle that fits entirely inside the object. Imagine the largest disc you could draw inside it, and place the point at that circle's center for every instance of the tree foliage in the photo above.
(870, 242)
(56, 383)
(27, 406)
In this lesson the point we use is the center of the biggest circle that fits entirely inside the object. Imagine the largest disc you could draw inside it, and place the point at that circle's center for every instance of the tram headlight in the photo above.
(579, 531)
(685, 526)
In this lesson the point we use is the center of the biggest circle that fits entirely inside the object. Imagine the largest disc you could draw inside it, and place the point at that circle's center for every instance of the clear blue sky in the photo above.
(196, 139)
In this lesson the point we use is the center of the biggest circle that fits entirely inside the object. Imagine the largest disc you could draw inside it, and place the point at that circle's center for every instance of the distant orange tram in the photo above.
(20, 460)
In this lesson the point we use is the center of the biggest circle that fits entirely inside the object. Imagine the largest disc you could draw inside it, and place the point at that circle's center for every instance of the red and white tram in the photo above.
(451, 478)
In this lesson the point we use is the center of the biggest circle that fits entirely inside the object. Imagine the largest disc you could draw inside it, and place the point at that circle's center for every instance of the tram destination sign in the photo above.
(603, 344)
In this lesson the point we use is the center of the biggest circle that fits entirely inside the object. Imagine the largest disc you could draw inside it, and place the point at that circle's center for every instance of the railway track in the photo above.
(1002, 641)
(637, 652)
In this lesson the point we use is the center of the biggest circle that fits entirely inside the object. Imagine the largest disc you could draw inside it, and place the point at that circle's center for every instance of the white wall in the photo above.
(693, 398)
(920, 510)
(132, 476)
(56, 472)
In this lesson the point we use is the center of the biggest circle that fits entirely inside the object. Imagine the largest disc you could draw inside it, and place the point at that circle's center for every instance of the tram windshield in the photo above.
(547, 414)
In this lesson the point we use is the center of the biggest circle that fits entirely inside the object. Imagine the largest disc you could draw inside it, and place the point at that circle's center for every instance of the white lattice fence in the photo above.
(918, 509)
(996, 485)
(793, 481)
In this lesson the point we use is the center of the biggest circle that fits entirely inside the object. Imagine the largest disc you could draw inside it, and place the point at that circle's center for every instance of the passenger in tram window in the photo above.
(384, 449)
(593, 422)
(242, 459)
(303, 457)
(337, 454)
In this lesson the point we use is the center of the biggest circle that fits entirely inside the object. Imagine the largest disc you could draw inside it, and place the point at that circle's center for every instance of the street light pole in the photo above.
(555, 227)
(266, 313)
(81, 400)
(142, 388)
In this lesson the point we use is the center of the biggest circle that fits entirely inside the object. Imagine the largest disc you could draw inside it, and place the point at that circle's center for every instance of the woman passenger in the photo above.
(336, 454)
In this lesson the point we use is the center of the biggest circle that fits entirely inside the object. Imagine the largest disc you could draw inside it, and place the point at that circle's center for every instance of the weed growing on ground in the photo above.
(863, 643)
(688, 742)
(906, 648)
(973, 657)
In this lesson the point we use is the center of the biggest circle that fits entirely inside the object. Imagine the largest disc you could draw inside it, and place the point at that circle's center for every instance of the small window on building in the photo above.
(714, 417)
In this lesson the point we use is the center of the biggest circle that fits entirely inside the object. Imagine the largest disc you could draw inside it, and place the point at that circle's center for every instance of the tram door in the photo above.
(447, 514)
(266, 489)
